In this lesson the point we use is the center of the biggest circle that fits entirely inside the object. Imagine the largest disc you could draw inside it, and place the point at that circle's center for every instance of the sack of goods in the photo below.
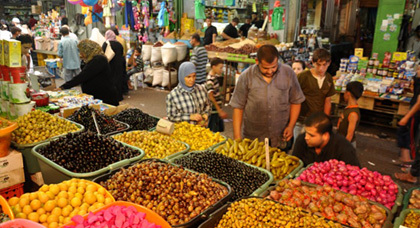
(174, 77)
(146, 52)
(156, 53)
(157, 76)
(181, 49)
(169, 53)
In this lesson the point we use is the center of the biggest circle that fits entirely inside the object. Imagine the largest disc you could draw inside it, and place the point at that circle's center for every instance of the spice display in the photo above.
(414, 201)
(347, 209)
(38, 126)
(105, 123)
(257, 212)
(86, 152)
(253, 152)
(199, 138)
(173, 192)
(137, 119)
(412, 220)
(154, 144)
(243, 178)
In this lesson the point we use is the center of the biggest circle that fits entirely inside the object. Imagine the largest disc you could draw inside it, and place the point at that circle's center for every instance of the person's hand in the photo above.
(205, 117)
(288, 133)
(196, 117)
(57, 89)
(223, 114)
(403, 122)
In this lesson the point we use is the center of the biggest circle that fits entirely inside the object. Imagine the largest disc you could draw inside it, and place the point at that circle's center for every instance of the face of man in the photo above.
(346, 96)
(208, 21)
(190, 80)
(193, 42)
(17, 34)
(248, 21)
(218, 69)
(315, 139)
(25, 48)
(268, 69)
(321, 67)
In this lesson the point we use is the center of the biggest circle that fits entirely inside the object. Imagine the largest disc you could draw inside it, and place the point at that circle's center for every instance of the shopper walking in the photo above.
(68, 51)
(96, 77)
(126, 83)
(267, 99)
(211, 32)
(199, 57)
(117, 62)
(71, 34)
(188, 101)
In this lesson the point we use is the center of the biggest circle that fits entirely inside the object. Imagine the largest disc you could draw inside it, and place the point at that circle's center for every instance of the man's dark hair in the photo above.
(209, 18)
(64, 31)
(32, 16)
(25, 39)
(320, 121)
(15, 30)
(236, 20)
(196, 37)
(138, 48)
(321, 54)
(115, 30)
(216, 61)
(301, 63)
(268, 53)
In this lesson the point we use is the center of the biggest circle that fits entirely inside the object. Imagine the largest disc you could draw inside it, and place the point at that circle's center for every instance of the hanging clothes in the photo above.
(277, 18)
(199, 10)
(161, 15)
(129, 16)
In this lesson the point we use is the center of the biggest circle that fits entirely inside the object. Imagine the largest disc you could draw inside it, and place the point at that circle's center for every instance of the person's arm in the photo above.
(214, 37)
(413, 110)
(226, 36)
(327, 106)
(220, 111)
(294, 114)
(353, 117)
(237, 122)
(92, 69)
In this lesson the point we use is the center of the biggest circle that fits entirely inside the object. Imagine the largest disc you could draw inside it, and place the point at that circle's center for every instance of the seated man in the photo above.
(319, 143)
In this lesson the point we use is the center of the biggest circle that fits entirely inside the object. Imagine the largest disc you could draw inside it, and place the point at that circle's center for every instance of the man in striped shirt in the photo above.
(199, 58)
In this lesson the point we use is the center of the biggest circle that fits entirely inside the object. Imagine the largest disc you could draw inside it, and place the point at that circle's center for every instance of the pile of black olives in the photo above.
(106, 124)
(243, 178)
(137, 119)
(86, 152)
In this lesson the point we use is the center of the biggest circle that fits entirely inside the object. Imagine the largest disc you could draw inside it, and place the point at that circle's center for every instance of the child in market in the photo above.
(350, 118)
(213, 87)
(135, 63)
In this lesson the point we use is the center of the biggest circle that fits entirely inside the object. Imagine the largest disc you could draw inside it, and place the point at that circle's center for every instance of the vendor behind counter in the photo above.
(230, 31)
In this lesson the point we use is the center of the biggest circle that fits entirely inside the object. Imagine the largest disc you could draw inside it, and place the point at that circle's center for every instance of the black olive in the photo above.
(137, 119)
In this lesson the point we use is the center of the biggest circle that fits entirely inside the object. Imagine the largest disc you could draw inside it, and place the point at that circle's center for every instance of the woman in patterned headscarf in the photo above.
(117, 62)
(96, 77)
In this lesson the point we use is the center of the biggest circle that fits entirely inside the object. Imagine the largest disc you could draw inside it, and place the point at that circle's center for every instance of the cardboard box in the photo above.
(13, 161)
(1, 53)
(403, 108)
(12, 53)
(366, 103)
(11, 178)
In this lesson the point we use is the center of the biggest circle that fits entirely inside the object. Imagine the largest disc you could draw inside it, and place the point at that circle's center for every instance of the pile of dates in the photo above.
(137, 119)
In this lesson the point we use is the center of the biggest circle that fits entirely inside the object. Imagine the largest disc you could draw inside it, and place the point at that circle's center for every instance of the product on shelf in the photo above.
(55, 204)
(86, 152)
(351, 179)
(253, 152)
(347, 209)
(38, 126)
(137, 119)
(243, 178)
(258, 212)
(105, 123)
(412, 220)
(174, 193)
(414, 201)
(154, 144)
(199, 138)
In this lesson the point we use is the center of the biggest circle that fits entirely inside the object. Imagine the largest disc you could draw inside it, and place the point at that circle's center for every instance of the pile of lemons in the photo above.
(199, 138)
(54, 205)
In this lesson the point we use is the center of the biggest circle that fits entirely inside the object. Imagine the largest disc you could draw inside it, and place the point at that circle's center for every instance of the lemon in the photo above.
(100, 198)
(63, 194)
(91, 188)
(54, 189)
(41, 211)
(27, 209)
(21, 215)
(90, 198)
(52, 218)
(23, 202)
(33, 196)
(35, 204)
(62, 202)
(75, 202)
(49, 205)
(56, 211)
(13, 201)
(53, 225)
(43, 218)
(33, 217)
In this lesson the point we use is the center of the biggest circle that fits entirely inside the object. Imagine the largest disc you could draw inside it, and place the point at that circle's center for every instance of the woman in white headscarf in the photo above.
(97, 37)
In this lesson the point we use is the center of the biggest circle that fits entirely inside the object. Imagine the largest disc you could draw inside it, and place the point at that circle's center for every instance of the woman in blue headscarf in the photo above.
(188, 101)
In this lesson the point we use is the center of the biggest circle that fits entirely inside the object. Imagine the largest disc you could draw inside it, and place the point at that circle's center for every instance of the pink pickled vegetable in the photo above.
(352, 179)
(115, 216)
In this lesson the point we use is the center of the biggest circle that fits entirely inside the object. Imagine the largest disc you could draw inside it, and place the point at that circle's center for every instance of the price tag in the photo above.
(267, 155)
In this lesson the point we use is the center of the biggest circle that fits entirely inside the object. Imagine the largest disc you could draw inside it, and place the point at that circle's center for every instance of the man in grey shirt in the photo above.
(267, 99)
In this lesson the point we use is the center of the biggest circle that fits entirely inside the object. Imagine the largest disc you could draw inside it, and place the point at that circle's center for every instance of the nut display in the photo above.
(174, 193)
(86, 152)
(38, 126)
(346, 209)
(412, 220)
(414, 201)
(106, 124)
(253, 152)
(243, 178)
(257, 212)
(154, 144)
(137, 119)
(55, 204)
(199, 138)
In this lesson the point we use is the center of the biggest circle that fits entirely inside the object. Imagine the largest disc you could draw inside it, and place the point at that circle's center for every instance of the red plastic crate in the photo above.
(15, 190)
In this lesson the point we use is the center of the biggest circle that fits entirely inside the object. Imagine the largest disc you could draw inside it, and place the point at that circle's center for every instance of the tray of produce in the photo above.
(119, 214)
(154, 144)
(106, 124)
(244, 179)
(182, 197)
(37, 127)
(409, 218)
(351, 179)
(253, 152)
(21, 223)
(412, 198)
(262, 212)
(137, 119)
(86, 154)
(199, 138)
(347, 209)
(55, 204)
